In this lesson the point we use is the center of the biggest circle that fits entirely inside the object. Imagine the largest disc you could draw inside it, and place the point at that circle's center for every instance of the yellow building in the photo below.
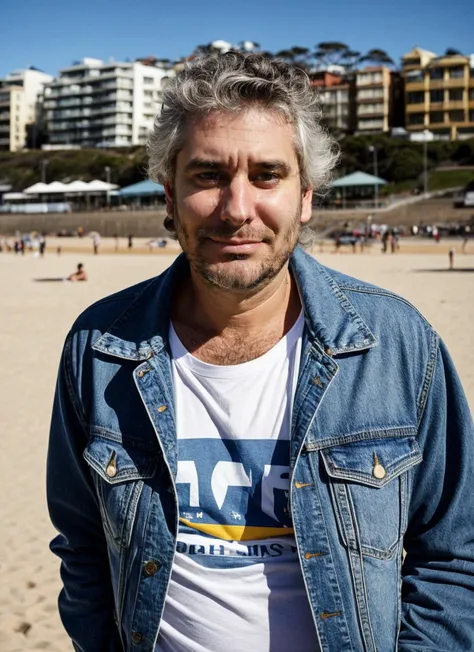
(439, 94)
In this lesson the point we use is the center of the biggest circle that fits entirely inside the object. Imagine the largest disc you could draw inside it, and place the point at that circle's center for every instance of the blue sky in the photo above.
(52, 33)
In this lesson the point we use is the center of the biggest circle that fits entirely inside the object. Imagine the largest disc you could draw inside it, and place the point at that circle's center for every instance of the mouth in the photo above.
(235, 245)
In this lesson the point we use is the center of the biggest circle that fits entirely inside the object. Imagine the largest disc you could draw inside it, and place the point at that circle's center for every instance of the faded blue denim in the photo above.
(382, 459)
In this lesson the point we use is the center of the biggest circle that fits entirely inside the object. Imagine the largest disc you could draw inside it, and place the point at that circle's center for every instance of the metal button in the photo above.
(162, 408)
(328, 351)
(111, 469)
(379, 472)
(151, 567)
(141, 373)
(137, 637)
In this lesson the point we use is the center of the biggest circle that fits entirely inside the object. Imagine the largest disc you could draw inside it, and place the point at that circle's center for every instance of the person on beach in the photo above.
(79, 275)
(252, 451)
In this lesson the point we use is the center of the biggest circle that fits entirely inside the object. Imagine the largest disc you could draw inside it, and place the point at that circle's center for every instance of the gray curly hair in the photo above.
(231, 82)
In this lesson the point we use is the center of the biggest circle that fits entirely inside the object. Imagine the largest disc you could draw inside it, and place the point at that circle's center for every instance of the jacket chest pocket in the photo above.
(119, 472)
(369, 487)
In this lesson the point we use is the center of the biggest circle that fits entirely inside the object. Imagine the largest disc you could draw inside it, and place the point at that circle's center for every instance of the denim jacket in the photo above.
(382, 461)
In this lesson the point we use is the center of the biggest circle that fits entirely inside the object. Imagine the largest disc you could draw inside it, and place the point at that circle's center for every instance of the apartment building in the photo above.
(20, 93)
(336, 95)
(97, 104)
(439, 93)
(375, 99)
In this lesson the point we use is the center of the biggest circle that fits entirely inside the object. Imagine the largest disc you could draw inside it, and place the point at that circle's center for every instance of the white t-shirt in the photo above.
(236, 582)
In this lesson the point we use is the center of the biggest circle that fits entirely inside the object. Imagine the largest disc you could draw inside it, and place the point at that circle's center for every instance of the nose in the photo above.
(237, 205)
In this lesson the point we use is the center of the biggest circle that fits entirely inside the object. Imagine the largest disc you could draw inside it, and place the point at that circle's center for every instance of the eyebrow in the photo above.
(209, 164)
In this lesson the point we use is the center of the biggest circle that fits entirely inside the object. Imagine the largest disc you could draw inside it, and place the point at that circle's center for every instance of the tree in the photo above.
(377, 56)
(450, 52)
(334, 53)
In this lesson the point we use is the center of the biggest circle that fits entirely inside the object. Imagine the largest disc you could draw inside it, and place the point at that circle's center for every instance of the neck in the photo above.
(214, 311)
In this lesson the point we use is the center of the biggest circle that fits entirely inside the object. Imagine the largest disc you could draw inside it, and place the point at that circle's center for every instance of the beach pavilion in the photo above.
(358, 187)
(145, 192)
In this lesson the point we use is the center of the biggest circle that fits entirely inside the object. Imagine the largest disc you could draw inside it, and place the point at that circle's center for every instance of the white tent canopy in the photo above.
(36, 189)
(55, 187)
(80, 187)
(100, 186)
(77, 186)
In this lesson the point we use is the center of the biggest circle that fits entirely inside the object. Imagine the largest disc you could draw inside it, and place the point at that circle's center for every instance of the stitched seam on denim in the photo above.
(345, 303)
(429, 374)
(118, 438)
(76, 403)
(384, 293)
(363, 435)
(364, 607)
(365, 478)
(315, 476)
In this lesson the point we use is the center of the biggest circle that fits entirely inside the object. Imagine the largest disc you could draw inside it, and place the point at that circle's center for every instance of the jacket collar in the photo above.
(142, 330)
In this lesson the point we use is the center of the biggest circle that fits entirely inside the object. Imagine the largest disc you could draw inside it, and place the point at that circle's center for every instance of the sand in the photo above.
(35, 318)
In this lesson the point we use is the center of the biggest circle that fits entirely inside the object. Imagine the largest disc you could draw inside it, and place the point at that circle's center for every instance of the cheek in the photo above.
(198, 204)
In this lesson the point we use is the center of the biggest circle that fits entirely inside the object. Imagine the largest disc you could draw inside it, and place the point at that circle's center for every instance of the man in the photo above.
(242, 447)
(79, 275)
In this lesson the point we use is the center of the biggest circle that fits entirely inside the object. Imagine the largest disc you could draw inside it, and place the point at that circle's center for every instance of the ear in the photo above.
(307, 205)
(169, 199)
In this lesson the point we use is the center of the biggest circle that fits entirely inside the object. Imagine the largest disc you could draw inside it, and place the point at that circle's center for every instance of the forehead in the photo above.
(253, 133)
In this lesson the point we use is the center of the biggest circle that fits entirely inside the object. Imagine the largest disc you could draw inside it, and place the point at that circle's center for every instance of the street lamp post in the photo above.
(427, 135)
(376, 173)
(44, 165)
(107, 178)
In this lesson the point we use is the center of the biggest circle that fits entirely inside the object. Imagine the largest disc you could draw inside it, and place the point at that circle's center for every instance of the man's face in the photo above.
(237, 200)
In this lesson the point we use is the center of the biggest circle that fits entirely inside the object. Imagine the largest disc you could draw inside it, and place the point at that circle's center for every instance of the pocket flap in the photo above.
(372, 462)
(115, 463)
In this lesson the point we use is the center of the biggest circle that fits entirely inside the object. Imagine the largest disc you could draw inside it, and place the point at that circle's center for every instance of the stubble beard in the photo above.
(241, 278)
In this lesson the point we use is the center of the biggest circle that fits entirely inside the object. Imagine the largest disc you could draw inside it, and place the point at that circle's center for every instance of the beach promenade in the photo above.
(35, 318)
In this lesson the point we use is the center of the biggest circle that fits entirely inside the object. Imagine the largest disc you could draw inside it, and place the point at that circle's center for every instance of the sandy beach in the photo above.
(35, 317)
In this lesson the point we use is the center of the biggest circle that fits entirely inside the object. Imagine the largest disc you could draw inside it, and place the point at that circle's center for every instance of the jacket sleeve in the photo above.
(438, 571)
(86, 602)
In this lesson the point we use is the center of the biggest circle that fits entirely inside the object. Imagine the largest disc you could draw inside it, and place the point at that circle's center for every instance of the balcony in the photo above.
(5, 115)
(104, 110)
(4, 129)
(415, 108)
(452, 105)
(413, 86)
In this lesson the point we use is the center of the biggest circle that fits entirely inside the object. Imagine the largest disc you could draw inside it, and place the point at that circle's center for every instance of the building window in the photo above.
(456, 95)
(436, 96)
(416, 118)
(412, 62)
(471, 116)
(471, 93)
(436, 73)
(456, 73)
(456, 116)
(436, 117)
(148, 80)
(414, 76)
(416, 97)
(148, 93)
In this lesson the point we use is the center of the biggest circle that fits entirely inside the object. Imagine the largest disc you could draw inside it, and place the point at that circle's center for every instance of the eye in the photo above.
(266, 179)
(209, 178)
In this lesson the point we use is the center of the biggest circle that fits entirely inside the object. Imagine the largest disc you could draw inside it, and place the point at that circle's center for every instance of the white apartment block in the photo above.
(20, 93)
(97, 104)
(373, 99)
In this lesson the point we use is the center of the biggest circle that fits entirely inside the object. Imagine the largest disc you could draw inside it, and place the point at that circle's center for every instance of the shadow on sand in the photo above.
(439, 270)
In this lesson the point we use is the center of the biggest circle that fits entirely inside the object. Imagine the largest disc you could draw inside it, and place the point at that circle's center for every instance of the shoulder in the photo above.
(376, 302)
(100, 315)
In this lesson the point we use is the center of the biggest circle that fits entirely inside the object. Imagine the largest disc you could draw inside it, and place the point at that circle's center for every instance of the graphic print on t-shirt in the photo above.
(233, 453)
(233, 491)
